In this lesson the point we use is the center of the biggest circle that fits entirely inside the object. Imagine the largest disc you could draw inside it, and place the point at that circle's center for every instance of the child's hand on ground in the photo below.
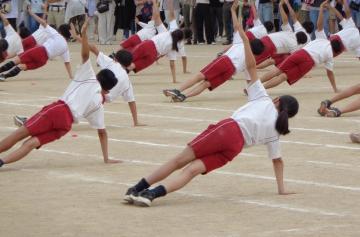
(112, 161)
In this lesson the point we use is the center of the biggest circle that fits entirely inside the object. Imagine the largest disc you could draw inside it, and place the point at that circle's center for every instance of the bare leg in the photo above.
(276, 81)
(269, 75)
(189, 83)
(350, 91)
(353, 106)
(182, 159)
(195, 168)
(266, 63)
(198, 89)
(22, 151)
(13, 138)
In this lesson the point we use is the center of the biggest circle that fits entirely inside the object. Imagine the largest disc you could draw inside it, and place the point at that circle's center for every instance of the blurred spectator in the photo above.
(106, 23)
(37, 7)
(355, 11)
(56, 13)
(75, 13)
(125, 18)
(304, 12)
(176, 4)
(203, 19)
(228, 21)
(91, 6)
(277, 18)
(13, 14)
(216, 18)
(265, 11)
(314, 14)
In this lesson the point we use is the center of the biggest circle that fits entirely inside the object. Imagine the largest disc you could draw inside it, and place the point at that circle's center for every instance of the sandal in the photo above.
(333, 112)
(325, 104)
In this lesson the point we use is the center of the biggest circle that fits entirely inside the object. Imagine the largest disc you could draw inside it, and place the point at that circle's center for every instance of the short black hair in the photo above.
(24, 32)
(4, 45)
(64, 30)
(336, 46)
(107, 79)
(269, 26)
(124, 57)
(187, 33)
(301, 37)
(308, 26)
(257, 46)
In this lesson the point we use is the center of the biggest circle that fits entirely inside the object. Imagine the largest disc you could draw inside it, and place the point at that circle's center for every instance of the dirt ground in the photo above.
(64, 189)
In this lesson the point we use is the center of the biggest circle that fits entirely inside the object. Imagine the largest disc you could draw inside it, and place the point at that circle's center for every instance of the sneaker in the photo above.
(324, 105)
(19, 121)
(130, 194)
(2, 77)
(144, 199)
(173, 92)
(226, 43)
(213, 43)
(355, 137)
(179, 98)
(201, 43)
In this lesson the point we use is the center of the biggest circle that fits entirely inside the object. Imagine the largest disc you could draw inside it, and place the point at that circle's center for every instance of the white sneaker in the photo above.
(19, 121)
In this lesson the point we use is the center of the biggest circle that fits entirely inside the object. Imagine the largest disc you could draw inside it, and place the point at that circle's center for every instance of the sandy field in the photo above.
(65, 190)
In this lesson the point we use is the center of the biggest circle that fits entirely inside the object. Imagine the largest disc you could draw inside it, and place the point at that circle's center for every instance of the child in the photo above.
(82, 99)
(11, 45)
(260, 121)
(167, 43)
(259, 29)
(217, 72)
(55, 45)
(302, 61)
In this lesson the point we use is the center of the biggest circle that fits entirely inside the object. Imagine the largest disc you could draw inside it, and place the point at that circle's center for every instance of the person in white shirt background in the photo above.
(106, 23)
(75, 13)
(260, 121)
(37, 7)
(82, 99)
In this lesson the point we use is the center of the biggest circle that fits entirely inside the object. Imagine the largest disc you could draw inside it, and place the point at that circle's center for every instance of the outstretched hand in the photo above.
(325, 4)
(85, 26)
(235, 5)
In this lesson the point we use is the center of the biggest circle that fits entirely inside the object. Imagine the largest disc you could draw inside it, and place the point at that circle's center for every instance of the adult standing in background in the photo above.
(91, 6)
(37, 7)
(314, 15)
(203, 18)
(75, 13)
(189, 19)
(216, 18)
(106, 23)
(355, 11)
(126, 17)
(13, 14)
(227, 21)
(176, 4)
(56, 13)
(266, 10)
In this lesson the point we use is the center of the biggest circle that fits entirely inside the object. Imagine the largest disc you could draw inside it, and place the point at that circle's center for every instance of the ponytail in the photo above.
(288, 107)
(176, 36)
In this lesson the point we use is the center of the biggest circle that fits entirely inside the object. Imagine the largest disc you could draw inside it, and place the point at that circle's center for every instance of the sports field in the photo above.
(64, 189)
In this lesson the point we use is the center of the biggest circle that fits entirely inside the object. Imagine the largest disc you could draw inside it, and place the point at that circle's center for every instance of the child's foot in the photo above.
(19, 121)
(333, 112)
(171, 92)
(324, 106)
(144, 199)
(179, 98)
(130, 194)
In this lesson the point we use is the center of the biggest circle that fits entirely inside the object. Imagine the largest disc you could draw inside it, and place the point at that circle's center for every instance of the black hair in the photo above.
(64, 30)
(269, 26)
(336, 46)
(4, 45)
(24, 32)
(187, 33)
(257, 46)
(308, 26)
(301, 37)
(288, 107)
(107, 79)
(286, 9)
(177, 36)
(123, 57)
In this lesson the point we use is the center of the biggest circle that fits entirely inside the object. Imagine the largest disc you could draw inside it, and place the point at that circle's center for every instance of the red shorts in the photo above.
(130, 43)
(297, 65)
(218, 144)
(250, 35)
(269, 50)
(34, 58)
(279, 58)
(218, 71)
(51, 123)
(144, 55)
(336, 37)
(29, 42)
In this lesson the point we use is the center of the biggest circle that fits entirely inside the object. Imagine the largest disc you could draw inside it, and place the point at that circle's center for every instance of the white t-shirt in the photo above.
(123, 87)
(14, 41)
(258, 30)
(350, 36)
(236, 53)
(56, 45)
(40, 35)
(297, 28)
(284, 41)
(257, 120)
(320, 50)
(84, 98)
(148, 31)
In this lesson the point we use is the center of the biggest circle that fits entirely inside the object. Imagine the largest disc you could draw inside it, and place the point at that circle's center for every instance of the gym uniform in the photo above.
(14, 41)
(252, 124)
(146, 33)
(37, 38)
(256, 32)
(302, 61)
(123, 87)
(223, 67)
(149, 51)
(82, 99)
(54, 46)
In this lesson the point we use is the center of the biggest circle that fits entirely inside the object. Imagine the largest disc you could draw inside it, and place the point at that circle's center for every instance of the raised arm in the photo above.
(4, 19)
(253, 9)
(236, 23)
(40, 20)
(171, 10)
(320, 22)
(346, 9)
(337, 13)
(156, 14)
(85, 49)
(291, 11)
(284, 17)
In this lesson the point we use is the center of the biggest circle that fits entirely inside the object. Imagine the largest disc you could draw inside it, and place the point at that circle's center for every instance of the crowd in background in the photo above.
(210, 20)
